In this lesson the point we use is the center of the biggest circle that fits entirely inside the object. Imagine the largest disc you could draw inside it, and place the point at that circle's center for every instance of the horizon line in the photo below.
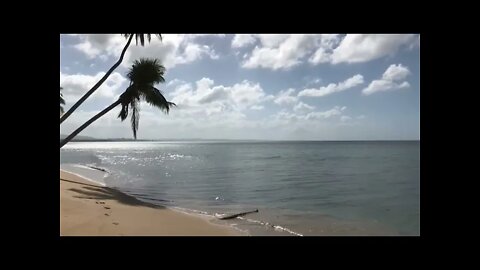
(267, 140)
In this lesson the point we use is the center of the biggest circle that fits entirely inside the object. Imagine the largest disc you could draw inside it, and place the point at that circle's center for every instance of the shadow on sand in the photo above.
(105, 193)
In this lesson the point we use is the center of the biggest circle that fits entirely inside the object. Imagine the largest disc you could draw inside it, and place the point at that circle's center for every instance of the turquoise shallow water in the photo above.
(307, 188)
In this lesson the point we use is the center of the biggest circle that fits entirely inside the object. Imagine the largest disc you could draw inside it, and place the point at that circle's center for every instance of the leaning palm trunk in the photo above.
(93, 119)
(99, 83)
(62, 102)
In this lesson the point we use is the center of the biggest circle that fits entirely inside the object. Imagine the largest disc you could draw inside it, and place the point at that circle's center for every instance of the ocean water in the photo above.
(300, 188)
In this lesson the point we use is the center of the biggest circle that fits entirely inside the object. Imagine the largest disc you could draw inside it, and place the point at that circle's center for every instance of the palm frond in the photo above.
(146, 72)
(130, 101)
(155, 98)
(62, 101)
(125, 99)
(141, 37)
(135, 116)
(123, 112)
(143, 75)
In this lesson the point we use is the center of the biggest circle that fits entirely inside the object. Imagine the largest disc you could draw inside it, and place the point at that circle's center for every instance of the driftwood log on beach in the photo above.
(226, 216)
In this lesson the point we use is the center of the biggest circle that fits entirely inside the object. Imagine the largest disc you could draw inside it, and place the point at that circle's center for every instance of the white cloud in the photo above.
(204, 84)
(281, 51)
(285, 97)
(257, 107)
(383, 85)
(218, 98)
(92, 45)
(389, 81)
(356, 48)
(88, 49)
(302, 107)
(76, 85)
(247, 93)
(205, 35)
(332, 87)
(335, 111)
(320, 56)
(174, 50)
(324, 52)
(345, 118)
(304, 115)
(286, 51)
(242, 40)
(104, 123)
(272, 40)
(287, 116)
(193, 52)
(396, 73)
(361, 117)
(212, 122)
(175, 82)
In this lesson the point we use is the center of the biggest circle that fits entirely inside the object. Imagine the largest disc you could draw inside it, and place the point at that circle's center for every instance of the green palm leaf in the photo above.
(141, 37)
(143, 75)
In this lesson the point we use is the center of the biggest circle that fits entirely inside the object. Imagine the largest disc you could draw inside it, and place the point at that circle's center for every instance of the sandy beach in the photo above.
(88, 209)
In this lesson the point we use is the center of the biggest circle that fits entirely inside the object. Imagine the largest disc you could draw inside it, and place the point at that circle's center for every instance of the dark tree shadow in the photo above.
(105, 193)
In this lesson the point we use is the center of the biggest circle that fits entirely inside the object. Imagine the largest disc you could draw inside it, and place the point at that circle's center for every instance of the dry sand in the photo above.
(88, 209)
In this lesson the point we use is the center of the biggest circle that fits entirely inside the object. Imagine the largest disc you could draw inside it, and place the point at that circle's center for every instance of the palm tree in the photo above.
(143, 75)
(62, 101)
(140, 37)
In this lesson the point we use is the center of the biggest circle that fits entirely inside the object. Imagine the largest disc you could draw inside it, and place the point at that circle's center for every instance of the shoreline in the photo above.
(89, 209)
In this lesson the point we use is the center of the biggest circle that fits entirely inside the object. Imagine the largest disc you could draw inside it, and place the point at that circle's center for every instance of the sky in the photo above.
(253, 86)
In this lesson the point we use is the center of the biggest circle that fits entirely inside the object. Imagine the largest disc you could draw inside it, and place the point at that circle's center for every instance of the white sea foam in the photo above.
(88, 173)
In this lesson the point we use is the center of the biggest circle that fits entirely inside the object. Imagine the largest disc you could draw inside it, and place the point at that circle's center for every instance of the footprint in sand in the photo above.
(115, 223)
(107, 214)
(106, 207)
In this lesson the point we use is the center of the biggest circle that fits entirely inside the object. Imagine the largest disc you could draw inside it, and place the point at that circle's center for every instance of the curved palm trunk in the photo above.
(99, 83)
(93, 119)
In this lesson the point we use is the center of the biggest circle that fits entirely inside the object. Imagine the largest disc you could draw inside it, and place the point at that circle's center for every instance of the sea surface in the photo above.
(299, 187)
